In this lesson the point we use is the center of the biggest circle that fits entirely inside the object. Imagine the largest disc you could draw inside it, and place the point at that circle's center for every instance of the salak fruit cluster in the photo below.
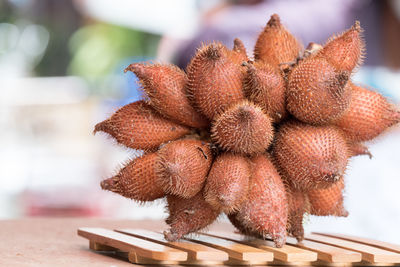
(263, 140)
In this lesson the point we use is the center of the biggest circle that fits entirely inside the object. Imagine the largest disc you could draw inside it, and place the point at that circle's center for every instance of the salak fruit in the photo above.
(265, 140)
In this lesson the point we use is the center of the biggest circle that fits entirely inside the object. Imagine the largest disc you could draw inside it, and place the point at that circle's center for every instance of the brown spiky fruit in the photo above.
(137, 180)
(243, 128)
(265, 86)
(368, 116)
(266, 210)
(227, 183)
(214, 79)
(345, 51)
(310, 156)
(275, 45)
(138, 125)
(188, 215)
(328, 201)
(298, 206)
(317, 92)
(182, 166)
(167, 92)
(205, 134)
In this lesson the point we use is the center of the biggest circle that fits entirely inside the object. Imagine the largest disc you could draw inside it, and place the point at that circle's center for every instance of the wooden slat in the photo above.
(366, 241)
(326, 252)
(287, 253)
(369, 253)
(213, 248)
(235, 250)
(140, 247)
(196, 252)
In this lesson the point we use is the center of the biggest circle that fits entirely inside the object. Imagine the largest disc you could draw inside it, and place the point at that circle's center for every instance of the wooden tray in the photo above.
(222, 248)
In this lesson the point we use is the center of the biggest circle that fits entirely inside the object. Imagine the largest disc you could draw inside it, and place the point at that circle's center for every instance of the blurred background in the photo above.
(61, 72)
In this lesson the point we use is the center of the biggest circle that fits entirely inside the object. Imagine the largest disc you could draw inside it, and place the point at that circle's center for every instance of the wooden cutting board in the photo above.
(223, 248)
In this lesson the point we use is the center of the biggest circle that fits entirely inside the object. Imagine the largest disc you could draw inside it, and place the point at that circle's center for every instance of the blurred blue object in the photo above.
(381, 79)
(130, 90)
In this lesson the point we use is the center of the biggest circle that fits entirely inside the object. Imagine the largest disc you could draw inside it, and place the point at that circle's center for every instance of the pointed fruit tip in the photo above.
(170, 236)
(343, 213)
(279, 240)
(357, 149)
(368, 153)
(129, 68)
(299, 238)
(213, 52)
(245, 113)
(108, 184)
(274, 21)
(237, 42)
(136, 68)
(357, 26)
(101, 127)
(238, 45)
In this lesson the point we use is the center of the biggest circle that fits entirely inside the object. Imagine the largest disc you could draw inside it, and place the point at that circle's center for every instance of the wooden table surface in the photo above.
(54, 241)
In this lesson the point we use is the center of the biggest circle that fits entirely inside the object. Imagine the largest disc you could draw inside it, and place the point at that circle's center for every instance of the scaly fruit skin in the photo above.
(188, 215)
(317, 93)
(275, 45)
(137, 180)
(310, 156)
(137, 125)
(368, 116)
(265, 86)
(328, 201)
(165, 87)
(227, 183)
(266, 210)
(182, 167)
(298, 206)
(344, 52)
(243, 128)
(215, 79)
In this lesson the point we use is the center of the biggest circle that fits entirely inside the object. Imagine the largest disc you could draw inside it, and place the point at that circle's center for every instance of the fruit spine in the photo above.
(265, 141)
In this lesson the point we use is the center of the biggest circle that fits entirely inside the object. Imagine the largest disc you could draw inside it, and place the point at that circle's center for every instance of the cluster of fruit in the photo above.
(264, 141)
